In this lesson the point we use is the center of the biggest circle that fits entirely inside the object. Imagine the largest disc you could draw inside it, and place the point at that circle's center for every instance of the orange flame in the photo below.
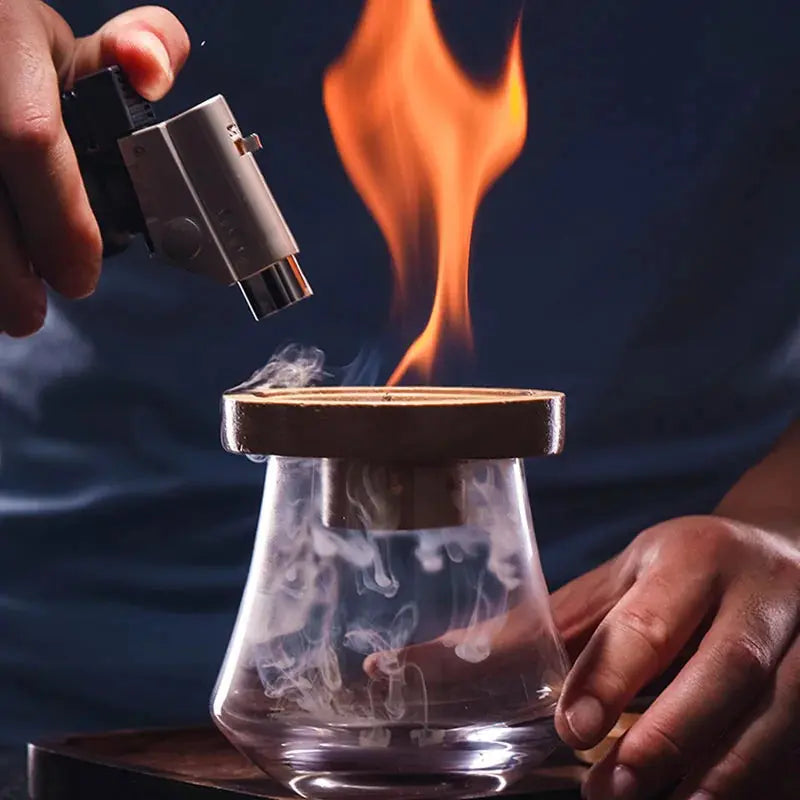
(422, 143)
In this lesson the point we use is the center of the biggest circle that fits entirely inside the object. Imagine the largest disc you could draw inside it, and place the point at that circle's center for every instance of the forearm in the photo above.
(768, 494)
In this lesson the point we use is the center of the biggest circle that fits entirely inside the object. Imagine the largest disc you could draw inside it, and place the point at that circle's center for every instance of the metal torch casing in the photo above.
(207, 206)
(189, 184)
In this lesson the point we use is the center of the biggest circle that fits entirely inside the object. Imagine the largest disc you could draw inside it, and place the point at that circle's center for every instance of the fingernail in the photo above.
(585, 719)
(623, 784)
(156, 48)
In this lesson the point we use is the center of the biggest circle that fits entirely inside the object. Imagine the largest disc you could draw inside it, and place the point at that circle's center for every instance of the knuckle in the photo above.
(649, 626)
(653, 743)
(712, 536)
(747, 660)
(609, 684)
(707, 537)
(765, 622)
(734, 767)
(30, 119)
(730, 773)
(30, 131)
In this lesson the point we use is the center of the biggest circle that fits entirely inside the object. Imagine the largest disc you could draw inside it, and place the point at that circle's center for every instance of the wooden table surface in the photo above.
(199, 764)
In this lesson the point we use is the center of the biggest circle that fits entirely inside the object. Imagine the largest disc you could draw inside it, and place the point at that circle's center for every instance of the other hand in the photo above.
(728, 725)
(48, 233)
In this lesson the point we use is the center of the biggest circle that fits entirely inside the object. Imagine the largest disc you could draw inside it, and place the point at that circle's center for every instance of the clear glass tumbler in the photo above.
(395, 636)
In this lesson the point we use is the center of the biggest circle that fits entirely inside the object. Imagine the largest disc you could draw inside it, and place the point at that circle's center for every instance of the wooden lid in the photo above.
(417, 424)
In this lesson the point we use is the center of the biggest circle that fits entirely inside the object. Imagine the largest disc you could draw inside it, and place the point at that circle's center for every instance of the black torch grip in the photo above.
(98, 111)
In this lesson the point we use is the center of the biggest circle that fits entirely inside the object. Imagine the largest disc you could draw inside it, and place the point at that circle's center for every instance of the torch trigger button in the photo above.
(181, 239)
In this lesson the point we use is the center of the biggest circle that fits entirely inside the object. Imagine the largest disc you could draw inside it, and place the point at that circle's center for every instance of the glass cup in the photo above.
(395, 636)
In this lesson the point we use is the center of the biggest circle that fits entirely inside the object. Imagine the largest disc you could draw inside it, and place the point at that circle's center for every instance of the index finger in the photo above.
(37, 162)
(636, 641)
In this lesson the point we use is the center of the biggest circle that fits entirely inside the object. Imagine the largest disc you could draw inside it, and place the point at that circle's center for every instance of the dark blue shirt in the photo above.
(649, 229)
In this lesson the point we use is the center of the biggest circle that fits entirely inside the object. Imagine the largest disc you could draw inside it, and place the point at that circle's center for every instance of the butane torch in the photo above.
(190, 185)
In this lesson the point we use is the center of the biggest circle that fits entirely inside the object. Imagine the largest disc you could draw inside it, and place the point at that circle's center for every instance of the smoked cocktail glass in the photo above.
(394, 637)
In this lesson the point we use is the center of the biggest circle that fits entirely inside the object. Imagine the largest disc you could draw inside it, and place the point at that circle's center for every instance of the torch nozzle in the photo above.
(279, 285)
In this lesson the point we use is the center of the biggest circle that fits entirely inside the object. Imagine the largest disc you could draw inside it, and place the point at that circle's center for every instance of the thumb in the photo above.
(149, 44)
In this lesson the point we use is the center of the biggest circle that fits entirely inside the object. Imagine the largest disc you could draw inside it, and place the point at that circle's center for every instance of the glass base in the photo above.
(339, 785)
(399, 760)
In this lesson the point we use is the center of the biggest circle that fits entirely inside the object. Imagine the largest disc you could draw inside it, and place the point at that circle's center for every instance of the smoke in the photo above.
(336, 610)
(363, 370)
(292, 366)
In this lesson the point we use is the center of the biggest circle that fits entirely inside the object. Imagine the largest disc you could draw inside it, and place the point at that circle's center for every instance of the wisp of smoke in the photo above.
(292, 366)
